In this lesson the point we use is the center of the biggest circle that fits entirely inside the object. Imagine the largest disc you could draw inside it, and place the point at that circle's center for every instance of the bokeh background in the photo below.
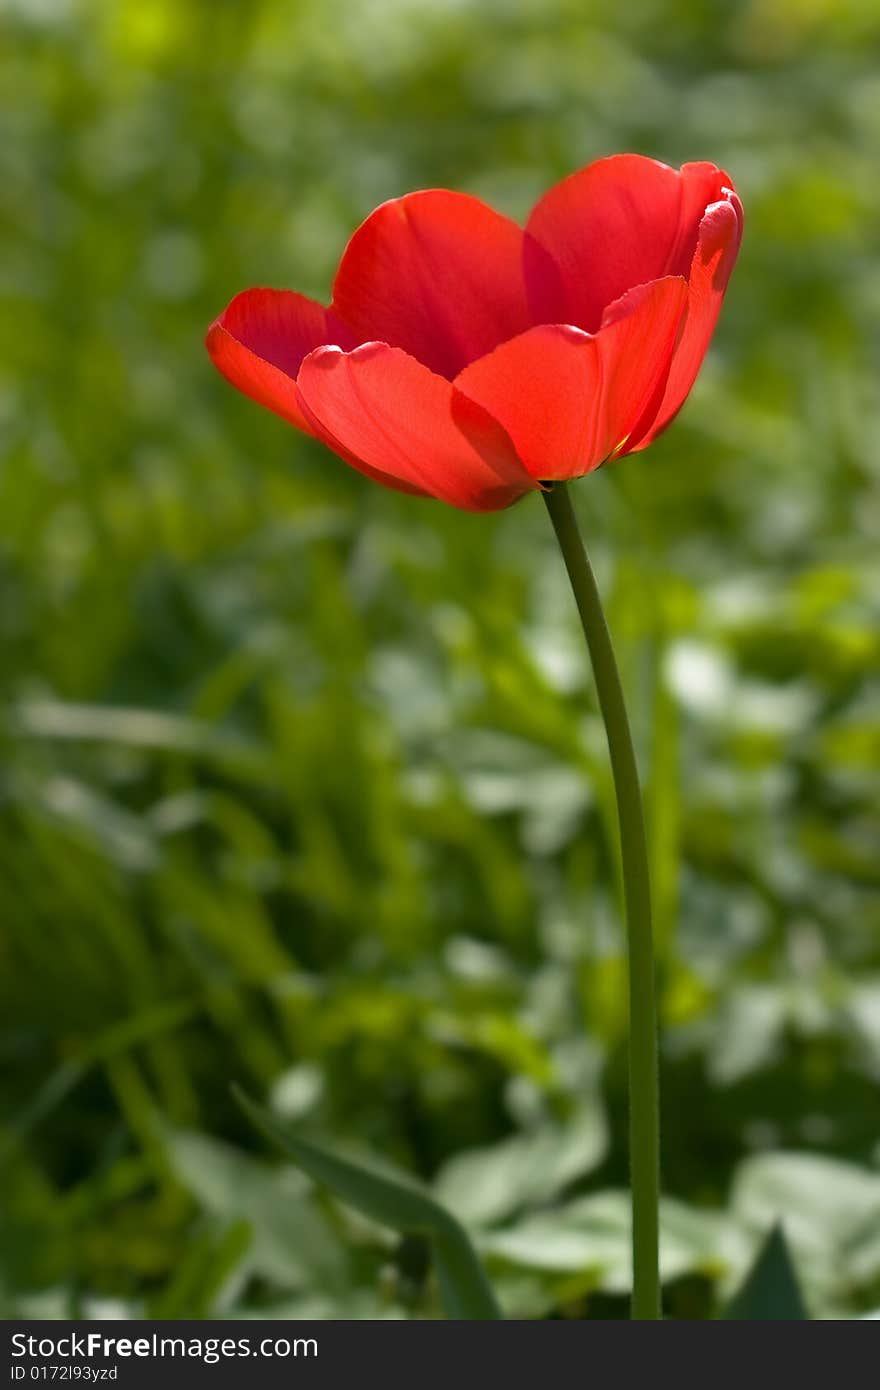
(303, 783)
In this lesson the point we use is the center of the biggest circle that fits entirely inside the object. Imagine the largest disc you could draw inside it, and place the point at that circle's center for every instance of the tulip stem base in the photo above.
(644, 1110)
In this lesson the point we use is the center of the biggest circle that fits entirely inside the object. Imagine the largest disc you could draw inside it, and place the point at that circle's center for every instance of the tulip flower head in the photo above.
(468, 359)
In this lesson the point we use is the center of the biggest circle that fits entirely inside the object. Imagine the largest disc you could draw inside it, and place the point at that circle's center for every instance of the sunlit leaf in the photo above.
(291, 1242)
(831, 1213)
(486, 1185)
(592, 1236)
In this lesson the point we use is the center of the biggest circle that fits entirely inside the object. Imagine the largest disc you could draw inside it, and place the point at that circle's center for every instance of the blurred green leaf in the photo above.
(831, 1212)
(291, 1242)
(591, 1236)
(483, 1186)
(209, 1266)
(402, 1206)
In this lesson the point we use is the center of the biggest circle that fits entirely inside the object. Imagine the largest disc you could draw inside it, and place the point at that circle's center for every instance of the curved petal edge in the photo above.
(569, 400)
(260, 340)
(718, 243)
(389, 415)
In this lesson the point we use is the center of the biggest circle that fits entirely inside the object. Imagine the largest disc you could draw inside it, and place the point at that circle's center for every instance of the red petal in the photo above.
(620, 222)
(390, 415)
(569, 399)
(438, 274)
(260, 339)
(714, 259)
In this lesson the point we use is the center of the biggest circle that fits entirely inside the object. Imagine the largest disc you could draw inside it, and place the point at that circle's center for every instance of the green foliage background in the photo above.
(303, 783)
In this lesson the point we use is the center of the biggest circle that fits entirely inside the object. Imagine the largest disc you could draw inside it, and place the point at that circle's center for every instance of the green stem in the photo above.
(644, 1111)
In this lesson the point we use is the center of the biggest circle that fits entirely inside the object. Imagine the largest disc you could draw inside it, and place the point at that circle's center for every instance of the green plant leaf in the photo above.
(770, 1290)
(592, 1236)
(486, 1185)
(293, 1245)
(208, 1265)
(831, 1212)
(397, 1203)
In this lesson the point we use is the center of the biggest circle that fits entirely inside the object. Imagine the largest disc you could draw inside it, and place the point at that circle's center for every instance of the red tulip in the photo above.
(466, 359)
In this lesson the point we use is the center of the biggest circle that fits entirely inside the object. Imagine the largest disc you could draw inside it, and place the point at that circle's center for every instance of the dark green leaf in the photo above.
(396, 1203)
(770, 1290)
